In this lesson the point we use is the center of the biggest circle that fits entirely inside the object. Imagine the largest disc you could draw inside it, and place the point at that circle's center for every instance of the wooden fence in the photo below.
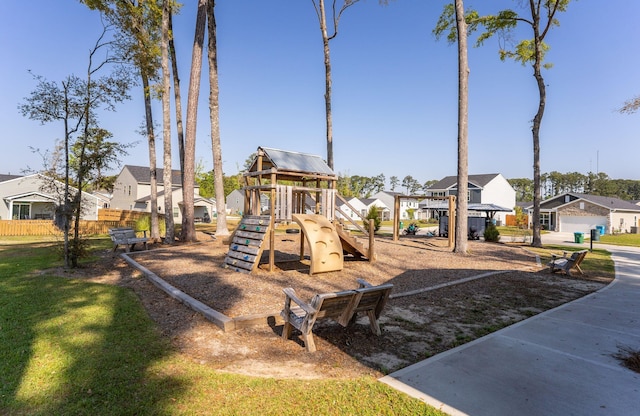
(48, 228)
(510, 221)
(105, 214)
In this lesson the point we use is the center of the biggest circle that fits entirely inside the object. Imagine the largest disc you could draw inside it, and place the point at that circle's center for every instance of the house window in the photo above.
(175, 212)
(21, 211)
(545, 220)
(129, 190)
(581, 205)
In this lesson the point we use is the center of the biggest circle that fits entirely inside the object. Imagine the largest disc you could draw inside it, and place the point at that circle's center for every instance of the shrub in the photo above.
(372, 215)
(491, 233)
(144, 224)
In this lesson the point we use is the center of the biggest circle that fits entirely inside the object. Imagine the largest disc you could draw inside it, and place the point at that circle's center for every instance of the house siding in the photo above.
(499, 191)
(41, 205)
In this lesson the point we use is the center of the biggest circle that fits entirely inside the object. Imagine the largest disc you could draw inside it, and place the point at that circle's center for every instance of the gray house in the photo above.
(36, 197)
(574, 212)
(132, 191)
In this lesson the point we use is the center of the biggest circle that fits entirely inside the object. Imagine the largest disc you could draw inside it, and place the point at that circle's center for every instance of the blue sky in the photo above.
(395, 88)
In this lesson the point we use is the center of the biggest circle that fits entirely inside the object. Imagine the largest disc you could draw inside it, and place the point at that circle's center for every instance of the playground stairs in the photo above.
(350, 244)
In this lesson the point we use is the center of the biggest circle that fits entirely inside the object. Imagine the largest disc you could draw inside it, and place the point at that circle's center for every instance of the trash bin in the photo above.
(401, 225)
(600, 229)
(595, 234)
(578, 237)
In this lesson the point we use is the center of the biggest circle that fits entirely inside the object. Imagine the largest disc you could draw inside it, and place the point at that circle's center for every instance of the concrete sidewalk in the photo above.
(557, 363)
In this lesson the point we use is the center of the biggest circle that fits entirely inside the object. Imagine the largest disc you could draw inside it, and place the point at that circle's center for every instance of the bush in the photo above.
(144, 224)
(491, 233)
(372, 215)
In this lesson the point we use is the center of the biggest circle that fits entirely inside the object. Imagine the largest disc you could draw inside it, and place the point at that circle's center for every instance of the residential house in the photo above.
(408, 207)
(361, 207)
(37, 197)
(484, 192)
(132, 191)
(574, 212)
(235, 202)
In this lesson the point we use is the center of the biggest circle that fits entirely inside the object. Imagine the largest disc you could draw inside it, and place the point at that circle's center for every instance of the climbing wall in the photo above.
(247, 244)
(324, 242)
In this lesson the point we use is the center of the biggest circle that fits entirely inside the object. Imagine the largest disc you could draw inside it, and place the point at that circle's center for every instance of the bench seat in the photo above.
(127, 237)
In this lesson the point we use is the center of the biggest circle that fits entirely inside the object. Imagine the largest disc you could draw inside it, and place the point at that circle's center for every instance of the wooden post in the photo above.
(396, 219)
(452, 220)
(272, 232)
(372, 230)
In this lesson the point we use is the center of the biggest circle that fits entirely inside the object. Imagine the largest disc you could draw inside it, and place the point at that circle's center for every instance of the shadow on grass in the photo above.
(73, 347)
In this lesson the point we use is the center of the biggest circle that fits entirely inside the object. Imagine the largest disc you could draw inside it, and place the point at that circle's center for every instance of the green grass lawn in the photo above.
(621, 239)
(77, 348)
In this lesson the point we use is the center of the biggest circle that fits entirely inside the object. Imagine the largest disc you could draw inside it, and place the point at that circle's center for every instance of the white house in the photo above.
(132, 191)
(483, 190)
(407, 206)
(37, 197)
(361, 207)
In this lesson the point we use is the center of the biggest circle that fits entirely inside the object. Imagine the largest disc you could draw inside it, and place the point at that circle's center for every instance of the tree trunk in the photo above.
(188, 230)
(169, 237)
(327, 78)
(178, 102)
(153, 172)
(177, 97)
(463, 132)
(214, 113)
(537, 120)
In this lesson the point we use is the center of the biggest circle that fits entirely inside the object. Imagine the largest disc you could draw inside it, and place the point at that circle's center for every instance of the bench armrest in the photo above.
(364, 283)
(291, 296)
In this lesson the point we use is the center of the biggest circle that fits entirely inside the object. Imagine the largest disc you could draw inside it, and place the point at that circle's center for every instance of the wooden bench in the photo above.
(566, 263)
(339, 306)
(126, 237)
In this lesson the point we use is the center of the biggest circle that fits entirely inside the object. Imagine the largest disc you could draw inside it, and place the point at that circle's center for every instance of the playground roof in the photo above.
(287, 161)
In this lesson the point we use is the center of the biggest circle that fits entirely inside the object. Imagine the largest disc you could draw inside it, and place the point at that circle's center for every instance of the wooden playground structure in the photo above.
(452, 209)
(300, 188)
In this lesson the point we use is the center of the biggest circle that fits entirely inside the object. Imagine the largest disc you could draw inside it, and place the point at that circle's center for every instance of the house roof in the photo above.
(614, 204)
(7, 177)
(609, 202)
(142, 174)
(30, 197)
(450, 181)
(284, 160)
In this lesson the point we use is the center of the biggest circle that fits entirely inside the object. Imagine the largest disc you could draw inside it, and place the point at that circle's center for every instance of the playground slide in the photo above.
(324, 242)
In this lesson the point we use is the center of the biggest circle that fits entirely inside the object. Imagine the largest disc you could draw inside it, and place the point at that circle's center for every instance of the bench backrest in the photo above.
(374, 298)
(578, 256)
(332, 305)
(122, 234)
(341, 306)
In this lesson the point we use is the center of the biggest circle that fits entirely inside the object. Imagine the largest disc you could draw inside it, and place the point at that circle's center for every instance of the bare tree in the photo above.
(214, 114)
(463, 131)
(74, 102)
(188, 229)
(166, 124)
(336, 14)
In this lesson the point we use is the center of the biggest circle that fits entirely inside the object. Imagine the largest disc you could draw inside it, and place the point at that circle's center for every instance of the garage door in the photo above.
(572, 224)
